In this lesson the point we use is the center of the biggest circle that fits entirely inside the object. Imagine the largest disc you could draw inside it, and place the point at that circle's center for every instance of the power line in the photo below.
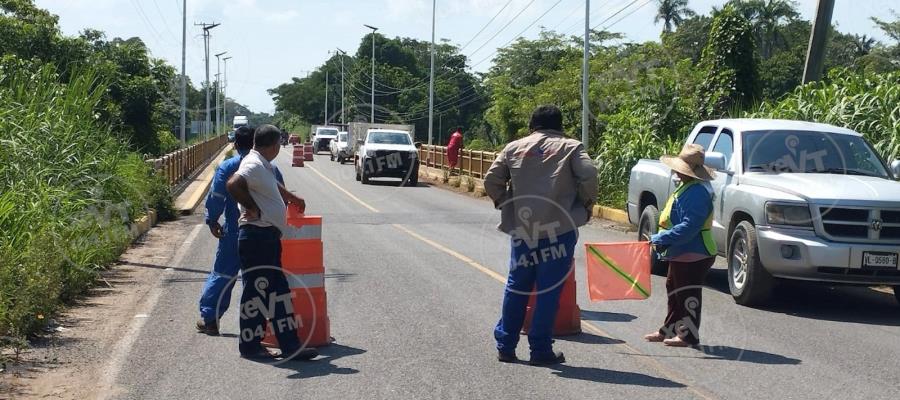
(486, 25)
(504, 27)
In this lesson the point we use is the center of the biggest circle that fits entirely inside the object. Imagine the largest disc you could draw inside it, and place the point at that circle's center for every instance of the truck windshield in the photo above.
(389, 138)
(342, 137)
(810, 152)
(326, 132)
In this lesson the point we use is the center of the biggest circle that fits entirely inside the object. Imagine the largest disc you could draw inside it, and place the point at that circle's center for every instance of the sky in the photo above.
(271, 41)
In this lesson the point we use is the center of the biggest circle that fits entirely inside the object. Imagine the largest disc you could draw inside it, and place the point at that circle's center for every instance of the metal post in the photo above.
(326, 94)
(585, 68)
(206, 29)
(342, 86)
(372, 117)
(183, 77)
(218, 99)
(815, 55)
(218, 88)
(431, 78)
(225, 95)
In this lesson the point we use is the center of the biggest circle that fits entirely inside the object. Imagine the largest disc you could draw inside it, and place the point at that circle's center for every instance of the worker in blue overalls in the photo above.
(216, 295)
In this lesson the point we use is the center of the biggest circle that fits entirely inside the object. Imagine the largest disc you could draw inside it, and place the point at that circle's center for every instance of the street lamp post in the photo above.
(224, 95)
(372, 117)
(218, 90)
(343, 53)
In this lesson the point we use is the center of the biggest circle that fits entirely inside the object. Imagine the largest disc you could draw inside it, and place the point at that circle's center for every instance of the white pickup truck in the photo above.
(793, 200)
(387, 153)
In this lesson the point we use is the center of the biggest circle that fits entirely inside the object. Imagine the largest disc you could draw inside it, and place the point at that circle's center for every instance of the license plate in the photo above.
(879, 260)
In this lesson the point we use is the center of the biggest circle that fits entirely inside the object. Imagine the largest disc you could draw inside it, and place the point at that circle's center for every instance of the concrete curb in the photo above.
(477, 188)
(195, 192)
(143, 224)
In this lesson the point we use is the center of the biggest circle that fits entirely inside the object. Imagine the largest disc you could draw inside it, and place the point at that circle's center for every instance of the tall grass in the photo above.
(68, 191)
(866, 103)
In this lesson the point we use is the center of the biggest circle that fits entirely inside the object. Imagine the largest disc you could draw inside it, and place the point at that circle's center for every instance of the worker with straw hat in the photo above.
(685, 241)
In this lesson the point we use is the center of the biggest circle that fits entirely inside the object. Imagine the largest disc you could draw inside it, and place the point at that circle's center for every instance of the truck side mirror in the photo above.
(418, 145)
(715, 161)
(360, 142)
(895, 169)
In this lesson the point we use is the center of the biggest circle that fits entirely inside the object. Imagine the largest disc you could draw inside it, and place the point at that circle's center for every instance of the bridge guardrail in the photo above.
(181, 164)
(474, 163)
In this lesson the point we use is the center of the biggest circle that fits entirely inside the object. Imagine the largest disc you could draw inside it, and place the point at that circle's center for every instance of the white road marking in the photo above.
(120, 351)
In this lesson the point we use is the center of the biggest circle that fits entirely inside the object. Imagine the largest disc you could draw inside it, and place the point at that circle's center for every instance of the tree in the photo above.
(767, 17)
(672, 13)
(729, 63)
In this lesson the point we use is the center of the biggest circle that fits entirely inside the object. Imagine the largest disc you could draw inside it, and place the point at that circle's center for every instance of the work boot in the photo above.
(209, 328)
(555, 357)
(507, 357)
(304, 354)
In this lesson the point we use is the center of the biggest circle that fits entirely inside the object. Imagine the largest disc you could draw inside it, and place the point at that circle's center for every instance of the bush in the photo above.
(866, 103)
(68, 191)
(629, 137)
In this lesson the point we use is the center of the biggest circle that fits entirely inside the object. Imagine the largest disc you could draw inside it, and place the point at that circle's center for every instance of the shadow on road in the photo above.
(743, 355)
(604, 316)
(588, 338)
(601, 375)
(323, 366)
(859, 304)
(155, 266)
(396, 183)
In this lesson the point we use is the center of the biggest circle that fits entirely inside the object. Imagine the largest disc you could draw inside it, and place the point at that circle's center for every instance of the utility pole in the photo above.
(343, 53)
(585, 69)
(815, 55)
(206, 28)
(183, 77)
(431, 79)
(215, 130)
(224, 95)
(218, 89)
(372, 118)
(326, 94)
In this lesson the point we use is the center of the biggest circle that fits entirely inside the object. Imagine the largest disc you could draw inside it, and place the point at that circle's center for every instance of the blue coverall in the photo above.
(220, 281)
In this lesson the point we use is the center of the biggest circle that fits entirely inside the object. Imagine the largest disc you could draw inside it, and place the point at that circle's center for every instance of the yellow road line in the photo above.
(586, 325)
(333, 183)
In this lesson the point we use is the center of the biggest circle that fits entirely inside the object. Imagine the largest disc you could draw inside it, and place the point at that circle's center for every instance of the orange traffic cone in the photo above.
(297, 156)
(568, 317)
(308, 152)
(302, 262)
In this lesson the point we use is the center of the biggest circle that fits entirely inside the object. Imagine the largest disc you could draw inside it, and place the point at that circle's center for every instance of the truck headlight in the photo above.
(788, 214)
(370, 153)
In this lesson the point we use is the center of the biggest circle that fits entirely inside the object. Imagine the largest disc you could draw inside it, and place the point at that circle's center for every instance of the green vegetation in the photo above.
(78, 116)
(744, 58)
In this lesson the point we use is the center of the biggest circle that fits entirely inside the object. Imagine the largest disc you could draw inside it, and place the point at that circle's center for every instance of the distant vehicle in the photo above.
(793, 200)
(340, 148)
(387, 153)
(239, 121)
(322, 137)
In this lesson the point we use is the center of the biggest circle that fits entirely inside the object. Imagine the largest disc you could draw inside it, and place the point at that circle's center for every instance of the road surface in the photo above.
(413, 292)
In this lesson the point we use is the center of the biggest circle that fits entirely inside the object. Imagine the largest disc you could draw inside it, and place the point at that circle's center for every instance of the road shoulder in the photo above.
(68, 362)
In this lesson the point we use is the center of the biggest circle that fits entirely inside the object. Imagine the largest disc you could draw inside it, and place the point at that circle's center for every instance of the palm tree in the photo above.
(672, 13)
(767, 17)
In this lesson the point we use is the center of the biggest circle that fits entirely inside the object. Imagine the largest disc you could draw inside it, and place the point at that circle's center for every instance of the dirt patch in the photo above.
(67, 361)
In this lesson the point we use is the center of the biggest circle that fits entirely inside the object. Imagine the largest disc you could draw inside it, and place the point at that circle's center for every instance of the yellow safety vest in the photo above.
(665, 219)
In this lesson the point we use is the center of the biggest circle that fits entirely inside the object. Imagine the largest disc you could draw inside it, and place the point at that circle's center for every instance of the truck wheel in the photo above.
(413, 179)
(648, 225)
(358, 178)
(748, 280)
(363, 177)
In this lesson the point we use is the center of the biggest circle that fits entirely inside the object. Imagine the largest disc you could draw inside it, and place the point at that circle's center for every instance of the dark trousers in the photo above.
(266, 294)
(539, 269)
(684, 285)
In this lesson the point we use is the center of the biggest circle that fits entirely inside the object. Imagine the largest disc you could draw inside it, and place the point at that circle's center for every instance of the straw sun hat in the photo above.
(690, 163)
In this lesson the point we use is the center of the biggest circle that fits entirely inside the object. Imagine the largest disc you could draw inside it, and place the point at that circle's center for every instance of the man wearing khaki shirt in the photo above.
(545, 186)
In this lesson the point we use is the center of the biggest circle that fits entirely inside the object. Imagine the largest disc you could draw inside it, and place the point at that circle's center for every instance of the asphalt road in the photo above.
(413, 296)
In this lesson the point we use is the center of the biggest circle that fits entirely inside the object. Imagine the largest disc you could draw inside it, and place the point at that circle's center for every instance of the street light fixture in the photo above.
(372, 118)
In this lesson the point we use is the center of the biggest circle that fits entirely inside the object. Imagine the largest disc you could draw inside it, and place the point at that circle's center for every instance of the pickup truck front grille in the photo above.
(860, 224)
